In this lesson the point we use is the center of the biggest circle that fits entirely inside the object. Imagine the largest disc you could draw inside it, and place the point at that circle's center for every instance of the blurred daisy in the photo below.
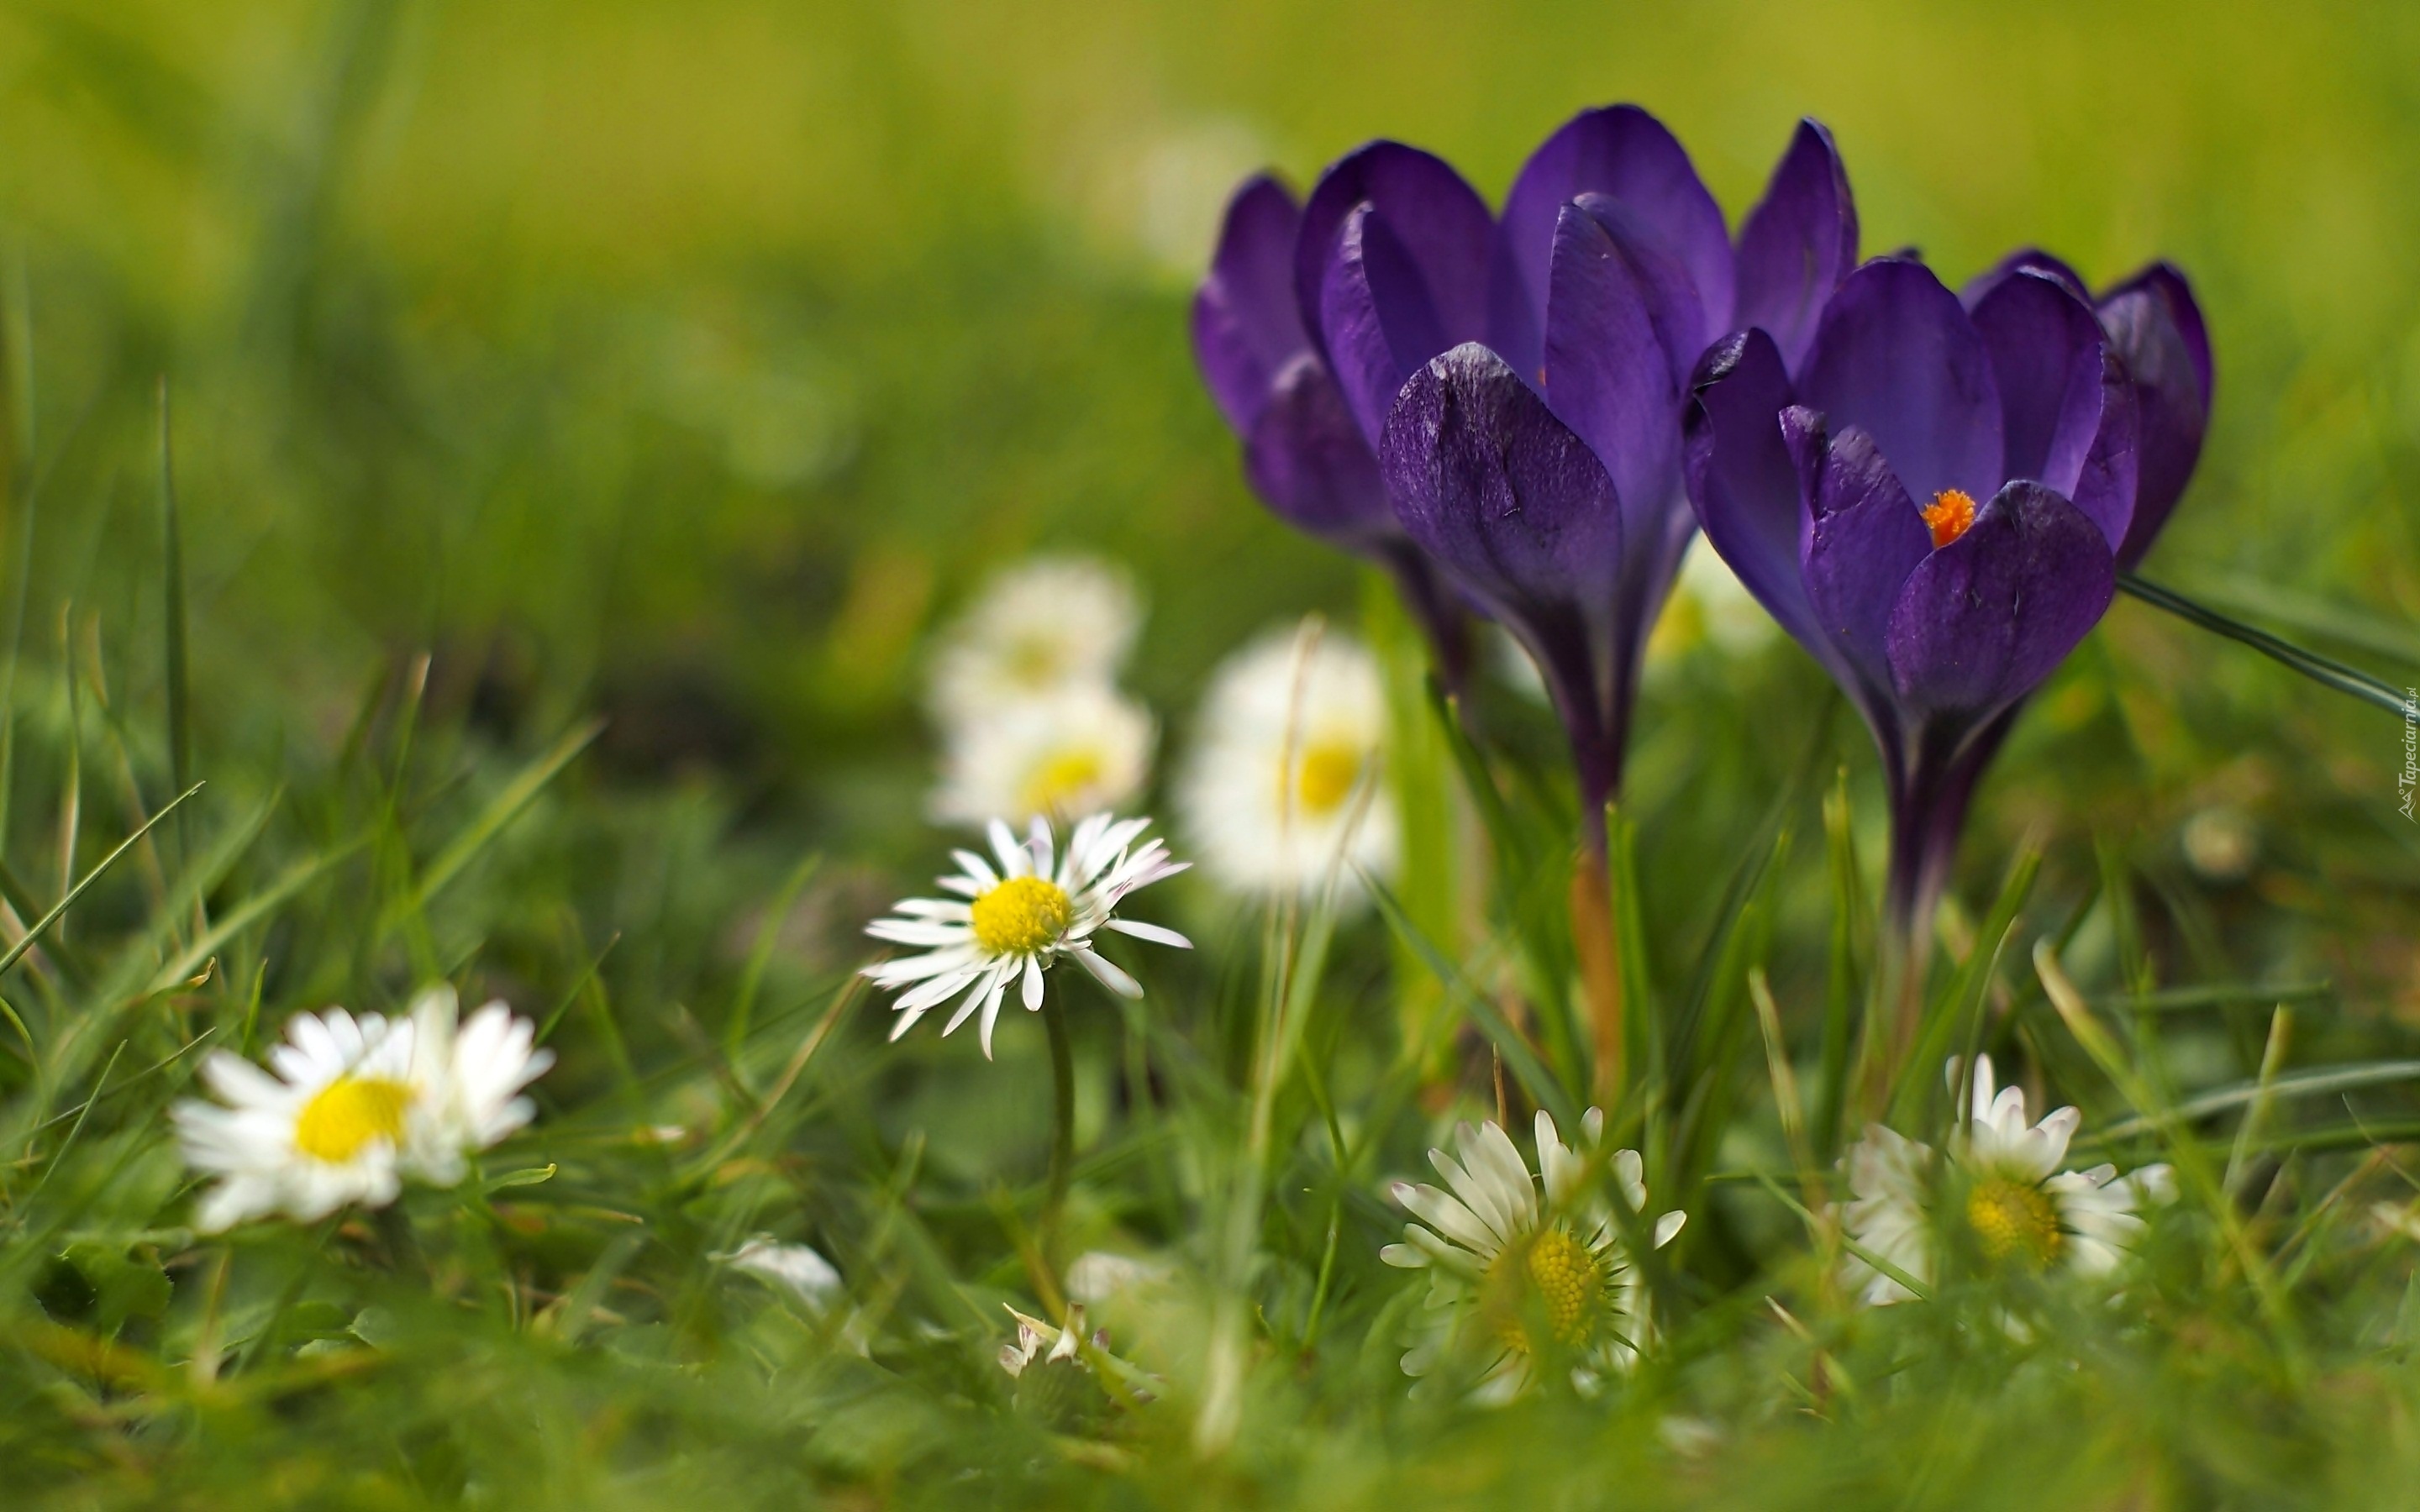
(1510, 1275)
(1052, 625)
(1075, 751)
(2018, 1207)
(327, 1129)
(471, 1076)
(1284, 778)
(1012, 923)
(357, 1104)
(798, 1269)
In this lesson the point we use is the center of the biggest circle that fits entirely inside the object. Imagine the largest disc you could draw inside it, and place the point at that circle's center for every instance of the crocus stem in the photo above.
(1062, 1126)
(1598, 945)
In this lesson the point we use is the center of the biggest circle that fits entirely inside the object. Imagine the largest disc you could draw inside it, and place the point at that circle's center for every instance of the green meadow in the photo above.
(481, 491)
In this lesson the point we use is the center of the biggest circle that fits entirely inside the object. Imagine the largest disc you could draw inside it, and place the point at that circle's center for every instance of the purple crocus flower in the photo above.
(1303, 455)
(1934, 497)
(1521, 379)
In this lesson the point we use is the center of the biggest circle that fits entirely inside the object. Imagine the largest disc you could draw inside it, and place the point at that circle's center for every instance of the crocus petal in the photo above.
(1625, 154)
(2025, 259)
(1862, 538)
(2046, 359)
(1500, 492)
(2157, 328)
(1381, 322)
(1797, 244)
(1247, 327)
(1607, 374)
(1895, 356)
(1443, 224)
(1306, 459)
(1742, 481)
(1983, 619)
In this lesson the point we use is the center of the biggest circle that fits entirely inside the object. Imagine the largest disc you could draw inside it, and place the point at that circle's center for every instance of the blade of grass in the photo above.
(2325, 670)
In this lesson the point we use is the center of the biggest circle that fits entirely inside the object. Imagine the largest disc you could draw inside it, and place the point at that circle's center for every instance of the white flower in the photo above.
(328, 1129)
(1097, 1275)
(2003, 1182)
(1017, 922)
(1073, 751)
(1501, 1263)
(1284, 778)
(356, 1106)
(1039, 1341)
(471, 1074)
(796, 1268)
(1052, 625)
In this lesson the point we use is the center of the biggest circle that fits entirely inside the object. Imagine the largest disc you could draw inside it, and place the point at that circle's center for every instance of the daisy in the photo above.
(1074, 752)
(798, 1269)
(326, 1130)
(355, 1106)
(2018, 1208)
(1052, 625)
(1503, 1265)
(1012, 923)
(471, 1076)
(1284, 779)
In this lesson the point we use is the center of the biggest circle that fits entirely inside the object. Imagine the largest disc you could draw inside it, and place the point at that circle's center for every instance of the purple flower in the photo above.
(1303, 454)
(1521, 379)
(1934, 497)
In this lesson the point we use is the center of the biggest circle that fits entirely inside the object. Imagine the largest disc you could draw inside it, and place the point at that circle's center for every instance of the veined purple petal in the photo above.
(1983, 619)
(1798, 244)
(1442, 223)
(1742, 481)
(2157, 328)
(1306, 459)
(1625, 154)
(1380, 322)
(2107, 487)
(1862, 539)
(1497, 490)
(1674, 306)
(1897, 357)
(2025, 260)
(1245, 324)
(2046, 348)
(1607, 373)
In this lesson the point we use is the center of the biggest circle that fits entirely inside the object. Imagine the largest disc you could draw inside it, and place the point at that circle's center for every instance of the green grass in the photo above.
(581, 416)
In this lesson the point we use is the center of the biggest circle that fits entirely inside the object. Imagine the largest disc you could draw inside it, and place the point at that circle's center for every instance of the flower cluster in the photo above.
(1025, 692)
(1530, 412)
(351, 1106)
(2002, 1186)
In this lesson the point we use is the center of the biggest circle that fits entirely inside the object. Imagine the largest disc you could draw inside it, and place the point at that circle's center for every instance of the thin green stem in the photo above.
(2326, 670)
(1062, 1124)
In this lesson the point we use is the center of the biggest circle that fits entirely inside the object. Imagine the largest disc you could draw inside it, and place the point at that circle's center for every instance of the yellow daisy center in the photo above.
(1330, 769)
(347, 1114)
(1553, 1274)
(2015, 1218)
(1021, 915)
(1060, 778)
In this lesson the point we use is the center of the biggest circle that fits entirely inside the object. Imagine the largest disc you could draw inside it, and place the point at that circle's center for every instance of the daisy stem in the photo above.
(1062, 1125)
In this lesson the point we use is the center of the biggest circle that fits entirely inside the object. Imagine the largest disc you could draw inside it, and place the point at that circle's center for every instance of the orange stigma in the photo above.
(1950, 515)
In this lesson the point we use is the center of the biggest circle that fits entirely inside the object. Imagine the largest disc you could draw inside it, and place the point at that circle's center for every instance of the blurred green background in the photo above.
(688, 363)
